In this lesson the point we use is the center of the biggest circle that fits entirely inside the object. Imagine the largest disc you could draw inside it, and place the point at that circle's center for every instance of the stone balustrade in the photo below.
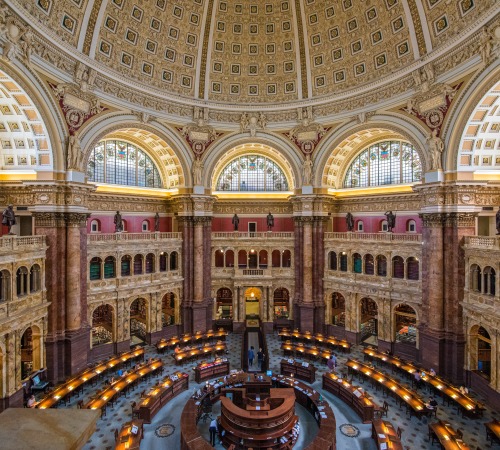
(482, 242)
(131, 237)
(12, 243)
(378, 237)
(268, 235)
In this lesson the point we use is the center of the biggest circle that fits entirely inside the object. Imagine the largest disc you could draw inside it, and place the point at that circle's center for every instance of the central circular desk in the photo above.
(241, 427)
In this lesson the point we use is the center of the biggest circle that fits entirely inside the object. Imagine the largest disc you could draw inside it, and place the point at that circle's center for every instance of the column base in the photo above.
(239, 327)
(16, 400)
(384, 346)
(481, 385)
(353, 337)
(305, 317)
(319, 318)
(100, 352)
(199, 315)
(454, 359)
(267, 327)
(164, 333)
(334, 330)
(432, 350)
(77, 344)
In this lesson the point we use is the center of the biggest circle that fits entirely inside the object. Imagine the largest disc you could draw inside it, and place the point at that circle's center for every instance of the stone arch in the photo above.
(405, 321)
(43, 100)
(174, 160)
(224, 302)
(139, 317)
(31, 349)
(287, 156)
(336, 152)
(481, 350)
(368, 319)
(103, 324)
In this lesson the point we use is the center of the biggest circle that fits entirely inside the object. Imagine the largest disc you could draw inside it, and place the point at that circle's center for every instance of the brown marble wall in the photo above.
(187, 229)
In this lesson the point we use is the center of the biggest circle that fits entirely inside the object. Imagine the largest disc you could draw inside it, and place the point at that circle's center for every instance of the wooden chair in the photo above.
(143, 394)
(79, 405)
(460, 434)
(116, 435)
(385, 409)
(135, 412)
(399, 432)
(433, 412)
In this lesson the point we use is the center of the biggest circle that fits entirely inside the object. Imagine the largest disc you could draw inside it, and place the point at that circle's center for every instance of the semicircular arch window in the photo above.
(119, 162)
(252, 173)
(387, 162)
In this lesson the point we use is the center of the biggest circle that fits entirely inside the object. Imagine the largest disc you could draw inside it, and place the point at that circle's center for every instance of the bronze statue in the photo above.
(157, 222)
(236, 222)
(9, 218)
(349, 220)
(391, 220)
(118, 222)
(270, 221)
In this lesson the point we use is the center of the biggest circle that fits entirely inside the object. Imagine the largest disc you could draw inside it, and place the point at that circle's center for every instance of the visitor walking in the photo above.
(260, 357)
(213, 432)
(251, 356)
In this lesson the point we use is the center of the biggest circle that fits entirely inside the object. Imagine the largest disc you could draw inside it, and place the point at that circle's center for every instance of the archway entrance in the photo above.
(368, 323)
(252, 303)
(138, 317)
(30, 351)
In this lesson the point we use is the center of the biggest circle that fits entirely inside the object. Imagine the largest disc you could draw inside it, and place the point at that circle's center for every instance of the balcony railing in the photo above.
(483, 242)
(110, 237)
(10, 242)
(378, 237)
(248, 235)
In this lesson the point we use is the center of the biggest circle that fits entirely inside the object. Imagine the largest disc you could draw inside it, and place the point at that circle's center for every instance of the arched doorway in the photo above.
(281, 303)
(480, 351)
(368, 321)
(224, 304)
(168, 309)
(138, 320)
(30, 351)
(405, 324)
(252, 303)
(338, 310)
(102, 325)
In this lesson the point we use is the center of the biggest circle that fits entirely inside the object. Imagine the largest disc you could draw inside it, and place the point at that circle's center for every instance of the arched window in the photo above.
(332, 261)
(343, 262)
(110, 267)
(480, 351)
(388, 162)
(411, 226)
(252, 259)
(369, 265)
(119, 162)
(35, 284)
(138, 320)
(95, 269)
(219, 258)
(125, 265)
(95, 226)
(384, 226)
(381, 266)
(262, 259)
(398, 267)
(150, 263)
(489, 280)
(357, 264)
(138, 264)
(286, 258)
(276, 258)
(145, 226)
(412, 268)
(252, 173)
(242, 259)
(229, 258)
(163, 261)
(174, 261)
(22, 281)
(475, 278)
(359, 226)
(4, 285)
(405, 321)
(368, 323)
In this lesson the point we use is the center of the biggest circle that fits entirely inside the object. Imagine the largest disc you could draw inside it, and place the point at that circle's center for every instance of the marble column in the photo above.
(307, 291)
(186, 226)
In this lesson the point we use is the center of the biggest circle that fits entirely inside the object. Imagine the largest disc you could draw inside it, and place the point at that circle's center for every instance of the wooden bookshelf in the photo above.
(301, 370)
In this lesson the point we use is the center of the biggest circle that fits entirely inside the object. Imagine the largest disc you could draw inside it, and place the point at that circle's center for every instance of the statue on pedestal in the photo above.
(497, 221)
(157, 222)
(9, 218)
(270, 221)
(307, 170)
(236, 222)
(349, 220)
(436, 147)
(391, 220)
(118, 222)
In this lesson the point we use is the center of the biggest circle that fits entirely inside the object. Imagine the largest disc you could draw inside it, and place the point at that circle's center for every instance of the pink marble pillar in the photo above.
(198, 260)
(307, 261)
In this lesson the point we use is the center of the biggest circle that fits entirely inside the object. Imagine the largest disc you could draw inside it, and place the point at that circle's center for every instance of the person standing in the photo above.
(334, 357)
(260, 357)
(251, 356)
(213, 432)
(331, 364)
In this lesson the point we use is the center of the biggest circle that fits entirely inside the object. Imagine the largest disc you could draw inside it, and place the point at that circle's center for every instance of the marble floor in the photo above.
(164, 431)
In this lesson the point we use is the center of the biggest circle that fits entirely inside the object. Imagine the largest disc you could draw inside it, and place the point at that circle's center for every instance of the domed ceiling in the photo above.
(256, 51)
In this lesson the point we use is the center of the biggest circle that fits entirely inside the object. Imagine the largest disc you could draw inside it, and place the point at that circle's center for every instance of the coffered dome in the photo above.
(254, 51)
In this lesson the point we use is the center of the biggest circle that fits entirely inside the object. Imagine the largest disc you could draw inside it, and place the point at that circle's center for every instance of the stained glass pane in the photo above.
(118, 162)
(252, 173)
(388, 162)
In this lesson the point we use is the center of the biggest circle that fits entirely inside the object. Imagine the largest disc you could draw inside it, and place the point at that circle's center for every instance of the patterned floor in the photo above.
(164, 431)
